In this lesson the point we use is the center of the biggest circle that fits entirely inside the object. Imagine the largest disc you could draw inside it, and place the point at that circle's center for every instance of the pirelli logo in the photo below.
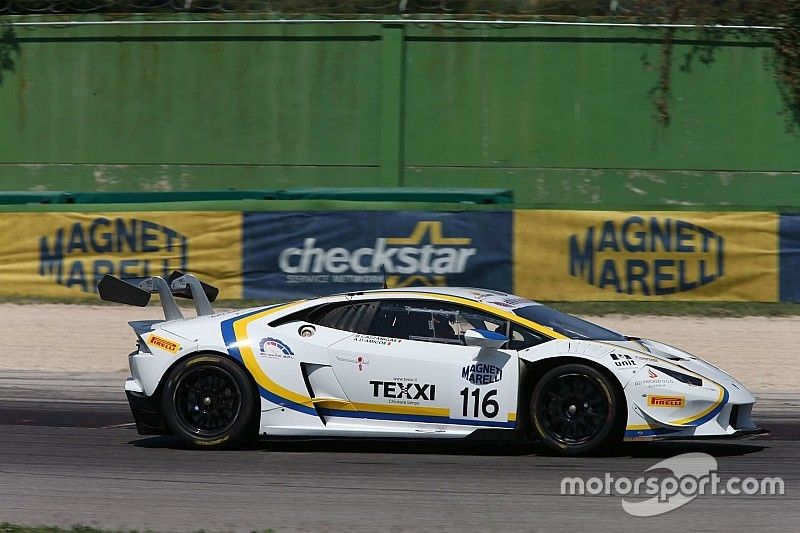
(666, 401)
(164, 344)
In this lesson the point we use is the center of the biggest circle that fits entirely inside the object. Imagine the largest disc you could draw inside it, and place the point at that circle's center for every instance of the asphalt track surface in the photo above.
(69, 455)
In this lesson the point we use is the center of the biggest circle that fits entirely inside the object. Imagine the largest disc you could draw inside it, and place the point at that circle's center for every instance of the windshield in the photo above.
(572, 327)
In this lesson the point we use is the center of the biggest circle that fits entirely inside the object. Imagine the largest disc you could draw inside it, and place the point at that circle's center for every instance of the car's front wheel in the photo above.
(209, 402)
(576, 409)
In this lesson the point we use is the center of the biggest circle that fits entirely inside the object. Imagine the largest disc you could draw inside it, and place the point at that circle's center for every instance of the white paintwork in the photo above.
(347, 373)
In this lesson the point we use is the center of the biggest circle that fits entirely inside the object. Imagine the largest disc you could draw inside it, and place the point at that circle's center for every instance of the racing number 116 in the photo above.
(488, 406)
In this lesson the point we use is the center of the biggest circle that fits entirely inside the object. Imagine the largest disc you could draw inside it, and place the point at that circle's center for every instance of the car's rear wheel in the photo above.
(576, 409)
(209, 402)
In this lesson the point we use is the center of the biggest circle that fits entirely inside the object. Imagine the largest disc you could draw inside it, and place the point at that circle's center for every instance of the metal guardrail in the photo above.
(449, 21)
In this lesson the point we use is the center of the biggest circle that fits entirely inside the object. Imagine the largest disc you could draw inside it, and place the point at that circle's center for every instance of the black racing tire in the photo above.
(209, 402)
(576, 409)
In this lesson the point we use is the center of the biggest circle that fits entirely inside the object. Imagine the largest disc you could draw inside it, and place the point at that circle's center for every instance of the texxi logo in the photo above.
(406, 260)
(654, 256)
(79, 255)
(412, 391)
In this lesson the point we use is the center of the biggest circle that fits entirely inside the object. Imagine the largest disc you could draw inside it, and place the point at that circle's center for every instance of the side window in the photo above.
(472, 319)
(346, 316)
(403, 319)
(353, 317)
(330, 316)
(522, 338)
(428, 321)
(306, 315)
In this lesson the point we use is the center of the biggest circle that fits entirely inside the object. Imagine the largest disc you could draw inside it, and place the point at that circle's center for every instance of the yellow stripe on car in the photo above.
(261, 377)
(249, 358)
(690, 419)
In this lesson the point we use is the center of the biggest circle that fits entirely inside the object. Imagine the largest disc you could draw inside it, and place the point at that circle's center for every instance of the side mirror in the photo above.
(484, 338)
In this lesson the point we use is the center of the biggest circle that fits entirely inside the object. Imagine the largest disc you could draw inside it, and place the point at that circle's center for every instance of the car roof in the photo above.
(497, 299)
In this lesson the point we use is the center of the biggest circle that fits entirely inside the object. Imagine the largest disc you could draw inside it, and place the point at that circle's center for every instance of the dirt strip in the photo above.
(761, 352)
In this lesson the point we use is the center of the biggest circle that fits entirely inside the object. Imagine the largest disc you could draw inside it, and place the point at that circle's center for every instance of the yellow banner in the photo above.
(607, 255)
(66, 254)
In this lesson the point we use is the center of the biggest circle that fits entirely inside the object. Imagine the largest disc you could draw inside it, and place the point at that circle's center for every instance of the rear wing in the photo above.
(137, 291)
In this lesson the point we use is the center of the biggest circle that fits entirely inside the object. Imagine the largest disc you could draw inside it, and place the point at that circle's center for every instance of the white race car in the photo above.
(429, 362)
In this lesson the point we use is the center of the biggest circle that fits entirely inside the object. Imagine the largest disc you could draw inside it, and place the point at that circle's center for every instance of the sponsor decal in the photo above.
(647, 256)
(482, 373)
(370, 339)
(360, 361)
(653, 380)
(399, 390)
(501, 299)
(623, 360)
(485, 295)
(164, 344)
(515, 302)
(79, 255)
(666, 401)
(274, 348)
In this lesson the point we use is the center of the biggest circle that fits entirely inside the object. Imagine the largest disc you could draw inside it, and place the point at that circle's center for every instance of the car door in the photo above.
(408, 371)
(486, 380)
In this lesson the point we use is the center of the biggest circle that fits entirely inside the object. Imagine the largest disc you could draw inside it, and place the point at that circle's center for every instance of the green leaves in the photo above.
(9, 50)
(786, 47)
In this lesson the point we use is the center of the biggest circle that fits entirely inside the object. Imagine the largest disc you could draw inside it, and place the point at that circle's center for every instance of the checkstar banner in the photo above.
(604, 255)
(790, 257)
(299, 254)
(64, 255)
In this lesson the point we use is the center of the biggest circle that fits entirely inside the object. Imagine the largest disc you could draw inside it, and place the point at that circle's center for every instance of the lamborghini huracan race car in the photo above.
(429, 362)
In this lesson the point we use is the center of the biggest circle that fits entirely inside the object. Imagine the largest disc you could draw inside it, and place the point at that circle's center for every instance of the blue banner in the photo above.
(300, 254)
(790, 257)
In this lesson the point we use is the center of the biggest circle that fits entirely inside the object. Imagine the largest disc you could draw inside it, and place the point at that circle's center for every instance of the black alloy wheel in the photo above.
(209, 402)
(576, 409)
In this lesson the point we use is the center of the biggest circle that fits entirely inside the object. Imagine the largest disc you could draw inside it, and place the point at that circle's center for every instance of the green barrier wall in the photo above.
(561, 115)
